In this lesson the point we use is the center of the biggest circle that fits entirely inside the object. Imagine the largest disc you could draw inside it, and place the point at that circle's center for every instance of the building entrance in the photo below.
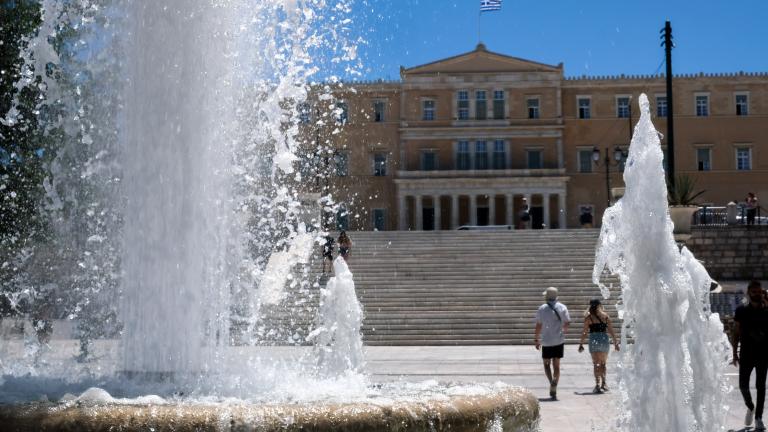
(428, 219)
(482, 216)
(537, 217)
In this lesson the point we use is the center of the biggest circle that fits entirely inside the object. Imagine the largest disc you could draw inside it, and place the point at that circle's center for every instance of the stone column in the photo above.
(472, 209)
(561, 210)
(510, 209)
(454, 211)
(418, 217)
(402, 213)
(437, 216)
(528, 201)
(492, 209)
(545, 201)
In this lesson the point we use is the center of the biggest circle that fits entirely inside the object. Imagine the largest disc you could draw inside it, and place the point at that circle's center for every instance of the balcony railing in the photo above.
(717, 216)
(542, 172)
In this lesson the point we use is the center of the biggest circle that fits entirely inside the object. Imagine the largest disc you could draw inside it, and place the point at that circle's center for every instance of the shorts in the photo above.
(598, 342)
(549, 352)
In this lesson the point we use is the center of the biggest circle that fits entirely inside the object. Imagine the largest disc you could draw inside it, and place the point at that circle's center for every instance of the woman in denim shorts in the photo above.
(597, 324)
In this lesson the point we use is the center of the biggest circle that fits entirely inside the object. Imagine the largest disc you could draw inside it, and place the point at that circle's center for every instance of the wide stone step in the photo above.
(453, 288)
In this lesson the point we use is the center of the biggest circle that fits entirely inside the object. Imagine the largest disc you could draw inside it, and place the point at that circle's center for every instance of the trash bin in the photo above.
(731, 213)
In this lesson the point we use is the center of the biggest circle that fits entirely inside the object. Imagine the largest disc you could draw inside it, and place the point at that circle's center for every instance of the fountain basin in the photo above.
(509, 409)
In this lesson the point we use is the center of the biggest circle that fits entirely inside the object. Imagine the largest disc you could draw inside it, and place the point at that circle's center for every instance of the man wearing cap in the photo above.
(552, 321)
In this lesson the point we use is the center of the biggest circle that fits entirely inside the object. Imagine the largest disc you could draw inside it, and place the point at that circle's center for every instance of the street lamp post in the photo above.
(618, 155)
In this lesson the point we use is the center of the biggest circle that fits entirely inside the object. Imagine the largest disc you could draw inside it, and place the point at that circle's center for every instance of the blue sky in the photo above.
(593, 37)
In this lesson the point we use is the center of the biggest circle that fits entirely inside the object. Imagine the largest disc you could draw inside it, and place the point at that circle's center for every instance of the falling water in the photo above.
(174, 193)
(671, 373)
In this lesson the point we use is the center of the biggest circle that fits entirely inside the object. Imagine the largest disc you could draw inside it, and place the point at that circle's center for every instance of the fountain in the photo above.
(173, 205)
(672, 376)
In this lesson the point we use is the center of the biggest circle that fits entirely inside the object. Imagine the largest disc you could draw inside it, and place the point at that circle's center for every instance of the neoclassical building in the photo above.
(472, 139)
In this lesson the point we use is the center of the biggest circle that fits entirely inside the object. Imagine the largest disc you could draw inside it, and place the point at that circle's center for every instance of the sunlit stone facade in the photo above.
(470, 139)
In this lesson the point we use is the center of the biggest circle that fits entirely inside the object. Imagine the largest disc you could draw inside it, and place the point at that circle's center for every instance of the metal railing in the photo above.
(717, 216)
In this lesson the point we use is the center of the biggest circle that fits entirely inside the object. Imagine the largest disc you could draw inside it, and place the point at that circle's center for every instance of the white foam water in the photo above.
(337, 337)
(674, 350)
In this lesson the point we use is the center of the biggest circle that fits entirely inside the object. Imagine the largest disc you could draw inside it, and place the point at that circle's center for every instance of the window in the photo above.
(498, 105)
(585, 161)
(342, 219)
(702, 105)
(744, 159)
(462, 155)
(481, 109)
(622, 107)
(304, 110)
(742, 104)
(428, 160)
(661, 106)
(499, 155)
(463, 105)
(704, 159)
(585, 104)
(378, 111)
(379, 219)
(481, 155)
(428, 110)
(380, 164)
(342, 164)
(534, 159)
(533, 108)
(341, 112)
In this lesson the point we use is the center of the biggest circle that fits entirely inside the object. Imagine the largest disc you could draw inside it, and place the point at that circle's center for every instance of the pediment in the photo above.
(480, 61)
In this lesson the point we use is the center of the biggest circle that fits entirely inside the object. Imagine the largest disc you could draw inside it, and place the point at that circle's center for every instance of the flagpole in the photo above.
(479, 14)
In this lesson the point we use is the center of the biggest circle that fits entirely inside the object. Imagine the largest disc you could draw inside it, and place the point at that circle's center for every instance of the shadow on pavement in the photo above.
(589, 393)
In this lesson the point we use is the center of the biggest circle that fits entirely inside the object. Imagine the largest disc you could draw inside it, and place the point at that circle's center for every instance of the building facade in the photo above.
(476, 138)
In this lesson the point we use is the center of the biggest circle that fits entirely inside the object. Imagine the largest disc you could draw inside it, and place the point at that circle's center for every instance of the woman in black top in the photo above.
(598, 324)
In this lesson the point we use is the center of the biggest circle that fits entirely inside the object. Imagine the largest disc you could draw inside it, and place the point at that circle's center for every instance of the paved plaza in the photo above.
(577, 410)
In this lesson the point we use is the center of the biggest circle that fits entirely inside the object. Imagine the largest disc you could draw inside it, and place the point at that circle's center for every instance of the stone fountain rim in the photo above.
(516, 408)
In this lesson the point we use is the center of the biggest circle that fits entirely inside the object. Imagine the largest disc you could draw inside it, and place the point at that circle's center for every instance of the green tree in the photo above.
(22, 145)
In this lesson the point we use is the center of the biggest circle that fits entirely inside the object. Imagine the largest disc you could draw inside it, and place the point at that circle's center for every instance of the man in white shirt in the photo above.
(552, 321)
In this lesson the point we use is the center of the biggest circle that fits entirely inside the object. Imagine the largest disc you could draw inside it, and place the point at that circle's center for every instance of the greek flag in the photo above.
(490, 5)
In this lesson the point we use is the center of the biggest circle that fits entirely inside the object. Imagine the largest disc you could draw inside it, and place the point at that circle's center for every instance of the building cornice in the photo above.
(549, 131)
(485, 185)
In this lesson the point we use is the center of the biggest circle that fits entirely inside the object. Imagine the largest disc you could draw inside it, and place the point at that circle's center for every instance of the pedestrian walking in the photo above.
(598, 325)
(345, 245)
(585, 219)
(552, 322)
(751, 206)
(328, 252)
(525, 215)
(750, 350)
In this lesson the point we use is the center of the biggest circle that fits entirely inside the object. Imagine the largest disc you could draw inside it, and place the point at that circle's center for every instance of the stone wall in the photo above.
(732, 252)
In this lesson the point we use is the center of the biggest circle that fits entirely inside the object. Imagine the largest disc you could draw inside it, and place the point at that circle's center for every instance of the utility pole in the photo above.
(668, 45)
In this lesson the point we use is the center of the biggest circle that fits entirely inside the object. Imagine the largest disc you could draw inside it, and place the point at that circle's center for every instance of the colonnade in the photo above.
(511, 212)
